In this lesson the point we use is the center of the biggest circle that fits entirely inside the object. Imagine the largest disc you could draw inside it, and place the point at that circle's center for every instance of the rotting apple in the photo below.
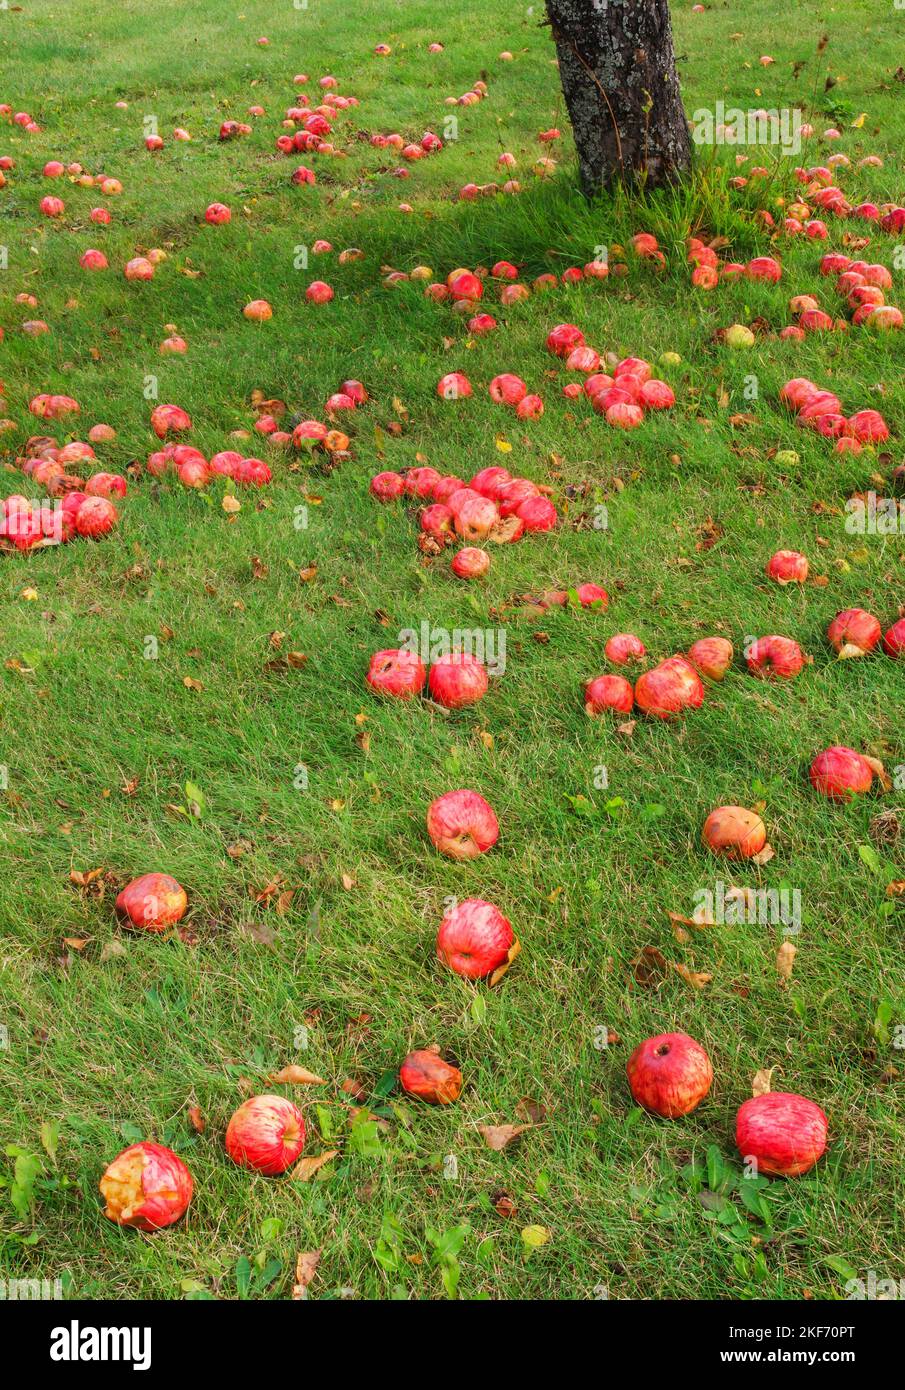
(147, 1187)
(470, 562)
(735, 832)
(396, 672)
(623, 648)
(425, 1075)
(711, 656)
(787, 567)
(854, 632)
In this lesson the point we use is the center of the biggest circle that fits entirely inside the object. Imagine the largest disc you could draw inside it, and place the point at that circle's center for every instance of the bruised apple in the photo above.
(712, 656)
(669, 1074)
(784, 1134)
(146, 1186)
(734, 831)
(474, 938)
(608, 693)
(462, 824)
(457, 679)
(266, 1133)
(396, 672)
(152, 902)
(854, 632)
(425, 1075)
(840, 773)
(470, 562)
(669, 688)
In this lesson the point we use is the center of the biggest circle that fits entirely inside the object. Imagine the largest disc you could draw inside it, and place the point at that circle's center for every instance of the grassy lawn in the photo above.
(118, 1036)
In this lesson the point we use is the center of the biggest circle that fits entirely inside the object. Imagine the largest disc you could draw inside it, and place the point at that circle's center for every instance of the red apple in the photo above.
(170, 419)
(95, 517)
(783, 1133)
(457, 679)
(669, 1074)
(787, 567)
(894, 640)
(454, 386)
(462, 824)
(774, 657)
(397, 672)
(712, 656)
(669, 688)
(106, 485)
(267, 1133)
(608, 692)
(470, 563)
(840, 773)
(563, 338)
(146, 1186)
(474, 938)
(854, 632)
(152, 902)
(507, 389)
(475, 517)
(624, 647)
(425, 1075)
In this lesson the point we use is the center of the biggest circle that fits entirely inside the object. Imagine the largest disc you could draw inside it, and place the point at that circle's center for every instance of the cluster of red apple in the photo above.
(493, 507)
(621, 398)
(890, 217)
(82, 509)
(822, 411)
(777, 1132)
(862, 283)
(709, 270)
(30, 525)
(193, 470)
(19, 118)
(456, 679)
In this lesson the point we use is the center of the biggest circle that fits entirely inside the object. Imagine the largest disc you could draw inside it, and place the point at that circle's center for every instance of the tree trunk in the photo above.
(618, 72)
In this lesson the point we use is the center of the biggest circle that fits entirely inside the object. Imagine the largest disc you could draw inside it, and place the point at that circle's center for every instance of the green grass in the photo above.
(110, 1047)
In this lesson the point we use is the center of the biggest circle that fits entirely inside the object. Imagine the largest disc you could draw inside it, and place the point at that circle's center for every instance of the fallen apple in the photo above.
(781, 1133)
(152, 902)
(474, 938)
(669, 1074)
(147, 1187)
(426, 1076)
(462, 824)
(266, 1133)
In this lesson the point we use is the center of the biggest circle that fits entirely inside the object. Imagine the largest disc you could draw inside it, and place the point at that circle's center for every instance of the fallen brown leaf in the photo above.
(305, 1268)
(497, 1137)
(296, 1076)
(306, 1168)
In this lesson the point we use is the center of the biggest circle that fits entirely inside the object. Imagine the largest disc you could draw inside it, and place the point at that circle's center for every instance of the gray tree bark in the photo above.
(617, 66)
